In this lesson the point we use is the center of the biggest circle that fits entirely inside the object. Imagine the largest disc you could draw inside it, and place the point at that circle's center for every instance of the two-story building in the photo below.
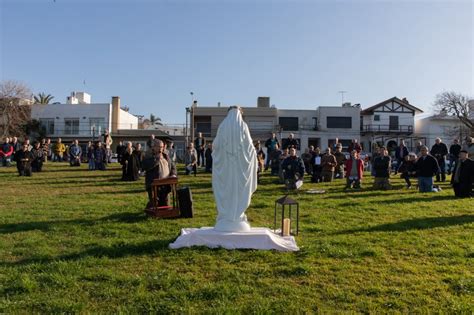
(80, 119)
(318, 127)
(389, 122)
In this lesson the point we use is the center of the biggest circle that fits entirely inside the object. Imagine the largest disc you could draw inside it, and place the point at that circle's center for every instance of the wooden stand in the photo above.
(163, 211)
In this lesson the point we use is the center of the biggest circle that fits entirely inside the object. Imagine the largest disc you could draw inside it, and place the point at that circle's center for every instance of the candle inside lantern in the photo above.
(286, 227)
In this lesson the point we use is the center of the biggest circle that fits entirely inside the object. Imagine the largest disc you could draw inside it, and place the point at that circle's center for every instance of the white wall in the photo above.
(127, 120)
(431, 128)
(82, 111)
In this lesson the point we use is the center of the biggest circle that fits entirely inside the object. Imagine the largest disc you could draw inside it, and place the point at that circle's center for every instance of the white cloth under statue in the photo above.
(234, 172)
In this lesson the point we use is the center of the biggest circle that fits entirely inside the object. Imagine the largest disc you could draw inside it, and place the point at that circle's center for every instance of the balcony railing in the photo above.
(388, 128)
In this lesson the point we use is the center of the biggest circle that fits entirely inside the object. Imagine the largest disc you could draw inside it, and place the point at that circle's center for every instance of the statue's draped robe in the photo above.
(234, 172)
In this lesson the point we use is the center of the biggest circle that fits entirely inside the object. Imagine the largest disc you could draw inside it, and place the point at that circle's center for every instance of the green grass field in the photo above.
(78, 241)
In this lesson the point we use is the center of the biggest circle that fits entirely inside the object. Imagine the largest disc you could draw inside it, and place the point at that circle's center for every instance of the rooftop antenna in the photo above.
(342, 96)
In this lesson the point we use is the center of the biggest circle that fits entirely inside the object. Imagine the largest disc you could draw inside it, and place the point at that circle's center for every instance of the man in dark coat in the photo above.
(291, 142)
(439, 151)
(454, 150)
(400, 152)
(426, 167)
(293, 169)
(208, 156)
(130, 164)
(23, 161)
(200, 146)
(158, 166)
(382, 166)
(38, 157)
(463, 176)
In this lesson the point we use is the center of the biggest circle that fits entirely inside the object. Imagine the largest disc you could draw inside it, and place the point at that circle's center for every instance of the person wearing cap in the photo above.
(463, 176)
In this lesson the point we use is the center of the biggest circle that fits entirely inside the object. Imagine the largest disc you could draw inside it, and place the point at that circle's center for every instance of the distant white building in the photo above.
(80, 119)
(445, 127)
(389, 122)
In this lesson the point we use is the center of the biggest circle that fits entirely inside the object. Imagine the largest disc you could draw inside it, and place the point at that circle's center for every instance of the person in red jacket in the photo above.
(354, 171)
(6, 152)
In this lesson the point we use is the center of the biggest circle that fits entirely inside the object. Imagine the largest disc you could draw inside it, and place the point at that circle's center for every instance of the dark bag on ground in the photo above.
(185, 202)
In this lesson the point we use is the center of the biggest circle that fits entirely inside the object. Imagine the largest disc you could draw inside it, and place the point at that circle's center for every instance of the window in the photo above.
(288, 123)
(376, 117)
(315, 123)
(98, 124)
(339, 122)
(71, 126)
(204, 128)
(48, 125)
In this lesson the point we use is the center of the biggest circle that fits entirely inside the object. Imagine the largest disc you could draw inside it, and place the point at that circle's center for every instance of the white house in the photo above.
(443, 126)
(389, 122)
(79, 119)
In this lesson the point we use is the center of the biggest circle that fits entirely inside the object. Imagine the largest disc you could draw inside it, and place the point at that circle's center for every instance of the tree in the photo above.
(15, 109)
(34, 130)
(457, 105)
(42, 98)
(155, 120)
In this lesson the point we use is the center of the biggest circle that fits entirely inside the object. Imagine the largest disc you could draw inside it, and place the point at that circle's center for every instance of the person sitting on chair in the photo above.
(158, 166)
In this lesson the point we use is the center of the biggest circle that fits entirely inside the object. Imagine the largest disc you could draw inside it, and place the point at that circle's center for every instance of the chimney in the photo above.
(115, 113)
(263, 101)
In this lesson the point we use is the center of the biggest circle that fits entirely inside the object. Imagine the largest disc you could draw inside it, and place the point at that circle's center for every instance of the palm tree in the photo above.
(42, 98)
(155, 120)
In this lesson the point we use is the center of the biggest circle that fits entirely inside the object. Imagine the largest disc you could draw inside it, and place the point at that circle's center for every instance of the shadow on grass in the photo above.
(415, 224)
(118, 250)
(124, 217)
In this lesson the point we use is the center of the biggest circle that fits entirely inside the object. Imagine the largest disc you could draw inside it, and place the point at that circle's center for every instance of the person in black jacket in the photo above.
(426, 167)
(293, 169)
(439, 150)
(291, 142)
(23, 161)
(38, 158)
(382, 166)
(463, 176)
(407, 168)
(454, 150)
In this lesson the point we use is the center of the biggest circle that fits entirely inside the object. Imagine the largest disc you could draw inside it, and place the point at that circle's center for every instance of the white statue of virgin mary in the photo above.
(234, 172)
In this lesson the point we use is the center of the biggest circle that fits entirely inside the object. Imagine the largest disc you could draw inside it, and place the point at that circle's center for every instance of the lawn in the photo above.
(78, 241)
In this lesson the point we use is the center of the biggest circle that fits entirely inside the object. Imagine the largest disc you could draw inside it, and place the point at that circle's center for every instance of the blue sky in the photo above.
(300, 53)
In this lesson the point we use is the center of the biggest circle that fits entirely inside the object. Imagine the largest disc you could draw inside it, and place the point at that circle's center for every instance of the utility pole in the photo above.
(342, 96)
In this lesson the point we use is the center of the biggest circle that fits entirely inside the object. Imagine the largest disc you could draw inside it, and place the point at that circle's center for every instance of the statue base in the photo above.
(255, 238)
